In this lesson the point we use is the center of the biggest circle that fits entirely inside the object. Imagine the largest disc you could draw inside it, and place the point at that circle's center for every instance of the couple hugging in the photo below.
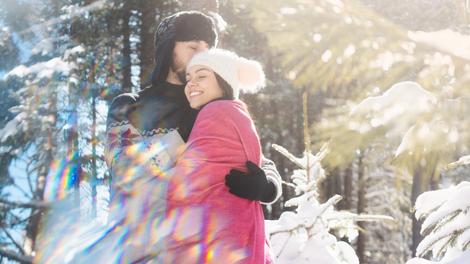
(185, 158)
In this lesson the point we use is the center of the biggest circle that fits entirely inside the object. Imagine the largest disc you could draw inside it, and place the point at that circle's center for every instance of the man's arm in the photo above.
(260, 184)
(273, 176)
(132, 160)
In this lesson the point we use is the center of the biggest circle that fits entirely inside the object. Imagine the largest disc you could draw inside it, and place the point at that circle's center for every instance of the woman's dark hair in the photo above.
(228, 91)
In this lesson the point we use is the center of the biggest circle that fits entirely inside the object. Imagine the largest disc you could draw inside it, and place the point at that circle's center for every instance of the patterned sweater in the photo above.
(144, 131)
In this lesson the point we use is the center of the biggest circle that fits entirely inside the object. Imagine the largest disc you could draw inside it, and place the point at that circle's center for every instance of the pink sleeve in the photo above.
(223, 138)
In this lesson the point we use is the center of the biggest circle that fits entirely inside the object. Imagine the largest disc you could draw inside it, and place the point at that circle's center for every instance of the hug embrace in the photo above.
(188, 173)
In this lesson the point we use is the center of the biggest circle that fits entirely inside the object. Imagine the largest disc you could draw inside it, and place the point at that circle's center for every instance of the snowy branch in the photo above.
(23, 191)
(463, 160)
(30, 204)
(12, 255)
(13, 240)
(289, 184)
(288, 155)
(374, 218)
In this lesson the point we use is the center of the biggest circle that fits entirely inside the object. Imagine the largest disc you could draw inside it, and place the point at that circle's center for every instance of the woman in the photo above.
(211, 225)
(189, 215)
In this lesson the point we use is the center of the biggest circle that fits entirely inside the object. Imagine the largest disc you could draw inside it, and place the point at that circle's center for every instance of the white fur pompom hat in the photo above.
(242, 74)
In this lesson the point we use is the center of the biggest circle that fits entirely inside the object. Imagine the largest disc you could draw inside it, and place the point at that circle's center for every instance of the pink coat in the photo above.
(211, 225)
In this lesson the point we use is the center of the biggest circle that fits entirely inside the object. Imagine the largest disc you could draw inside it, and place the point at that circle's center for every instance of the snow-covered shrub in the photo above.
(303, 236)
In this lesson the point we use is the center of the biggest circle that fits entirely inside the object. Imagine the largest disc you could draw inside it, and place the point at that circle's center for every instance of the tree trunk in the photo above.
(35, 216)
(348, 187)
(32, 225)
(361, 206)
(126, 52)
(331, 184)
(147, 47)
(94, 178)
(434, 173)
(416, 189)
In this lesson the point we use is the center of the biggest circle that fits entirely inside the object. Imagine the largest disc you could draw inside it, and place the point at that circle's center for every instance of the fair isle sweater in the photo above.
(143, 131)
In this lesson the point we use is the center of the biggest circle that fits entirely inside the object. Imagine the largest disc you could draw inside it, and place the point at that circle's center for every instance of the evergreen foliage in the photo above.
(339, 52)
(303, 236)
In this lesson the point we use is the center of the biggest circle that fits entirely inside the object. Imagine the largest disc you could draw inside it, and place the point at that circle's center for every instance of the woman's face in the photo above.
(202, 86)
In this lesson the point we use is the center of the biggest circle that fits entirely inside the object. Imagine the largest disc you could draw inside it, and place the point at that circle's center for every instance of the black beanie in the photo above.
(182, 26)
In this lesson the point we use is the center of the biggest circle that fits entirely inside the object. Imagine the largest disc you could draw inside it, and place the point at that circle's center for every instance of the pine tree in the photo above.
(446, 226)
(350, 52)
(303, 236)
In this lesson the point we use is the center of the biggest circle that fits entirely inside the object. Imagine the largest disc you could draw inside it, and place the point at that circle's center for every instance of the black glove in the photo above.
(252, 186)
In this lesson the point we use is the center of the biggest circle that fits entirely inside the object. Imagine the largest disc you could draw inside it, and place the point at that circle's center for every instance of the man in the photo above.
(145, 129)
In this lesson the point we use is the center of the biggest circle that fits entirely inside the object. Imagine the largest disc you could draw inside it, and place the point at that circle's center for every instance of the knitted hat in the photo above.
(240, 73)
(182, 26)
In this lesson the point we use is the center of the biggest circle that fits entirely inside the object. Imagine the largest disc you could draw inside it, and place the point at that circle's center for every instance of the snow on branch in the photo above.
(465, 160)
(30, 204)
(12, 255)
(422, 132)
(12, 126)
(420, 117)
(447, 222)
(43, 47)
(399, 108)
(72, 11)
(455, 43)
(287, 154)
(41, 69)
(428, 202)
(401, 97)
(366, 217)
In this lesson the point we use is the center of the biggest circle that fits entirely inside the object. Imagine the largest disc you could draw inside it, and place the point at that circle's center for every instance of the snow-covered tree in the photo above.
(447, 223)
(35, 125)
(304, 236)
(351, 52)
(48, 89)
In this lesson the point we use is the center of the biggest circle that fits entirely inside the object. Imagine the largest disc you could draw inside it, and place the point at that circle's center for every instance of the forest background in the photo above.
(63, 61)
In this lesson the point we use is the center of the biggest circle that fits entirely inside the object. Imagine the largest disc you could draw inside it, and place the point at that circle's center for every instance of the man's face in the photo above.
(183, 53)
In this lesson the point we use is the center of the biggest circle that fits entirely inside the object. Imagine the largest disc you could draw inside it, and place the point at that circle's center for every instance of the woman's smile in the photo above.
(192, 94)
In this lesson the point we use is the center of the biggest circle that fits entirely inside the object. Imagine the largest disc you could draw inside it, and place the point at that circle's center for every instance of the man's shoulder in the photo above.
(130, 98)
(124, 99)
